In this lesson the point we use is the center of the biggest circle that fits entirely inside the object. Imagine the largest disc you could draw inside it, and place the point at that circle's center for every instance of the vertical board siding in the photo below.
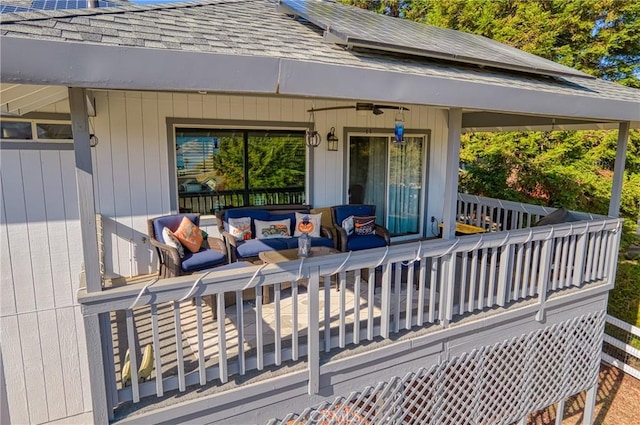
(40, 272)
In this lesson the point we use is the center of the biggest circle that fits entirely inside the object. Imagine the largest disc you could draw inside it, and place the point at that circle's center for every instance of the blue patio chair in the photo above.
(212, 254)
(355, 242)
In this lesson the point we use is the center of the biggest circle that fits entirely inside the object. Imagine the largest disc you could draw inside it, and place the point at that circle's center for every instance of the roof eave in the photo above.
(135, 68)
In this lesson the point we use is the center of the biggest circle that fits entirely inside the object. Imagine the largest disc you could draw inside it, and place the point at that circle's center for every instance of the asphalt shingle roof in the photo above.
(257, 28)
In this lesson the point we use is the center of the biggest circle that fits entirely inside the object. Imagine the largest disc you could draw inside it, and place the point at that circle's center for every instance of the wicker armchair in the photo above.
(212, 254)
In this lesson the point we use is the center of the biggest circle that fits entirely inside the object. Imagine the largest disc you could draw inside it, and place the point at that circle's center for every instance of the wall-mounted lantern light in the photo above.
(332, 140)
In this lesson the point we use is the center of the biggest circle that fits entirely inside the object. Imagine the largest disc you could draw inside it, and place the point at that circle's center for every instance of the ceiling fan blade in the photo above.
(391, 107)
(331, 108)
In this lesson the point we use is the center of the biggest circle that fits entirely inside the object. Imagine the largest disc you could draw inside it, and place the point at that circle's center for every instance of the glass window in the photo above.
(16, 130)
(54, 131)
(229, 168)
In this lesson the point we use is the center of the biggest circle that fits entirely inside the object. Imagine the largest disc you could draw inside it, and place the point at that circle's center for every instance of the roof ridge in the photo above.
(37, 15)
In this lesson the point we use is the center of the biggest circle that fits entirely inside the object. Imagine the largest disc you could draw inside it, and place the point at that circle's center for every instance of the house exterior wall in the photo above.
(43, 344)
(42, 332)
(133, 174)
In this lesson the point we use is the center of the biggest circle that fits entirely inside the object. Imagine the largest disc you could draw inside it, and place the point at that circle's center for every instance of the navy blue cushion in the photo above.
(344, 211)
(322, 242)
(356, 243)
(202, 259)
(253, 247)
(172, 222)
(293, 242)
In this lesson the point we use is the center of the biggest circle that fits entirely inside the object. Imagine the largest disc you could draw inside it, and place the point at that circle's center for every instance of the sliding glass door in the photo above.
(390, 176)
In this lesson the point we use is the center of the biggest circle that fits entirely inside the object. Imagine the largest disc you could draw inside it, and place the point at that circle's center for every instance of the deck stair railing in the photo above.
(381, 292)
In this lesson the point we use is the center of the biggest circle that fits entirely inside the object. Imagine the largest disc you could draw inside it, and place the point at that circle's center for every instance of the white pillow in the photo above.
(347, 225)
(240, 228)
(273, 229)
(172, 241)
(312, 220)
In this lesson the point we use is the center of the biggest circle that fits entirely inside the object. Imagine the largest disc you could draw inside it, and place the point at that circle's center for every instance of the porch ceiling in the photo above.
(191, 47)
(20, 99)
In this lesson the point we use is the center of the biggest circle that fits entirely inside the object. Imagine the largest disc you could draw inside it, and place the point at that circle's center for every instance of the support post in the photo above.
(590, 404)
(97, 355)
(451, 179)
(618, 170)
(314, 331)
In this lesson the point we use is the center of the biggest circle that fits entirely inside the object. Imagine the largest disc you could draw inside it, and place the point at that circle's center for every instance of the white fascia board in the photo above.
(299, 78)
(116, 67)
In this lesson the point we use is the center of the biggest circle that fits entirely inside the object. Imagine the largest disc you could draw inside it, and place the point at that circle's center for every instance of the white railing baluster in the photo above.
(133, 355)
(294, 317)
(504, 277)
(422, 281)
(543, 278)
(526, 276)
(371, 285)
(432, 289)
(571, 260)
(356, 307)
(327, 311)
(409, 303)
(222, 339)
(557, 252)
(590, 256)
(533, 281)
(202, 372)
(396, 296)
(473, 280)
(517, 278)
(483, 277)
(563, 262)
(603, 252)
(156, 349)
(278, 324)
(242, 366)
(343, 308)
(492, 276)
(259, 329)
(464, 260)
(581, 254)
(386, 300)
(179, 354)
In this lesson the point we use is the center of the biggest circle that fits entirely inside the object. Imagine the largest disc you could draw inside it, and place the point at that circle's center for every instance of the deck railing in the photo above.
(380, 292)
(497, 215)
(209, 202)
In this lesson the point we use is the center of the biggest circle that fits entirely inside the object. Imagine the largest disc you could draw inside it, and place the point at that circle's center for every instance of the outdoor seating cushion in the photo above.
(202, 259)
(253, 247)
(358, 242)
(172, 222)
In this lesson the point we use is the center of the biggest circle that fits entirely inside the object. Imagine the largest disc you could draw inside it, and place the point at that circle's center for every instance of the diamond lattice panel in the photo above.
(497, 384)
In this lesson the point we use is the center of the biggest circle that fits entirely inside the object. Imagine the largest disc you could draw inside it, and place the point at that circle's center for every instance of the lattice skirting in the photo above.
(497, 384)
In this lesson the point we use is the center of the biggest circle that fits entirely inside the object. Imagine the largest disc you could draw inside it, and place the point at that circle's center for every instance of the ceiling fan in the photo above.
(360, 106)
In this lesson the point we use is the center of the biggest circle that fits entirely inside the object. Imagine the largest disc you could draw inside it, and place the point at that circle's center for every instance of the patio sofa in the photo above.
(248, 246)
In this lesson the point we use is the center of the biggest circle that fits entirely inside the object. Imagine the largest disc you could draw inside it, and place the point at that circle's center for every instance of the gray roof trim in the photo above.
(326, 80)
(117, 67)
(82, 64)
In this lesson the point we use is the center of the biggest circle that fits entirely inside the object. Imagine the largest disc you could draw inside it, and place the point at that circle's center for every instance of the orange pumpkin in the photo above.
(305, 226)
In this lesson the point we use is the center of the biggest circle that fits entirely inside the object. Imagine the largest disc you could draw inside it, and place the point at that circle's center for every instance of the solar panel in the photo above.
(355, 27)
(56, 5)
(7, 8)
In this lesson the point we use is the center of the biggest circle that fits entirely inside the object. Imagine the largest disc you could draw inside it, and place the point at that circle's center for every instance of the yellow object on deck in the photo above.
(466, 229)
